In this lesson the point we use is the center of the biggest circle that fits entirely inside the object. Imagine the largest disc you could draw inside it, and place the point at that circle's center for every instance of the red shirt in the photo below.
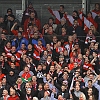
(13, 98)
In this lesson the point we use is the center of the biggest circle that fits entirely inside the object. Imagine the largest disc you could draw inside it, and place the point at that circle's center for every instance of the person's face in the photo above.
(81, 97)
(50, 21)
(92, 28)
(61, 59)
(30, 6)
(86, 59)
(52, 68)
(63, 88)
(65, 52)
(89, 15)
(65, 76)
(5, 92)
(40, 86)
(61, 9)
(20, 29)
(12, 91)
(77, 83)
(13, 49)
(26, 69)
(94, 54)
(88, 72)
(80, 78)
(59, 43)
(8, 45)
(79, 56)
(70, 38)
(90, 91)
(23, 46)
(3, 36)
(89, 84)
(48, 46)
(19, 35)
(24, 57)
(90, 32)
(91, 77)
(63, 21)
(34, 79)
(8, 18)
(11, 18)
(39, 43)
(4, 81)
(96, 46)
(74, 36)
(76, 46)
(32, 15)
(63, 30)
(13, 58)
(12, 65)
(1, 20)
(91, 97)
(97, 7)
(19, 80)
(50, 29)
(35, 35)
(9, 12)
(27, 85)
(60, 97)
(35, 29)
(46, 86)
(49, 58)
(11, 73)
(75, 23)
(77, 88)
(28, 91)
(27, 60)
(29, 47)
(39, 67)
(54, 39)
(74, 14)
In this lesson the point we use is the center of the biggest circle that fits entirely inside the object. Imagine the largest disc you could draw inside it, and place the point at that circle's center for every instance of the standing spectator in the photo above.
(96, 11)
(57, 14)
(12, 20)
(32, 19)
(9, 11)
(27, 12)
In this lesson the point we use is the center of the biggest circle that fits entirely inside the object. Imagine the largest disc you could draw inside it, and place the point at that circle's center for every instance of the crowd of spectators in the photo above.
(57, 61)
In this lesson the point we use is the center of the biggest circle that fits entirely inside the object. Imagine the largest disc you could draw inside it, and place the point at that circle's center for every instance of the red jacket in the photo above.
(14, 98)
(36, 22)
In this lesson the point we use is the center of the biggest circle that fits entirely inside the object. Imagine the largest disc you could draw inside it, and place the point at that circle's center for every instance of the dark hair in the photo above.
(51, 18)
(9, 9)
(62, 6)
(90, 81)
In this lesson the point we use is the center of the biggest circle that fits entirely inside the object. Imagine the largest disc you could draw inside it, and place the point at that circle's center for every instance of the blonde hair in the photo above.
(83, 96)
